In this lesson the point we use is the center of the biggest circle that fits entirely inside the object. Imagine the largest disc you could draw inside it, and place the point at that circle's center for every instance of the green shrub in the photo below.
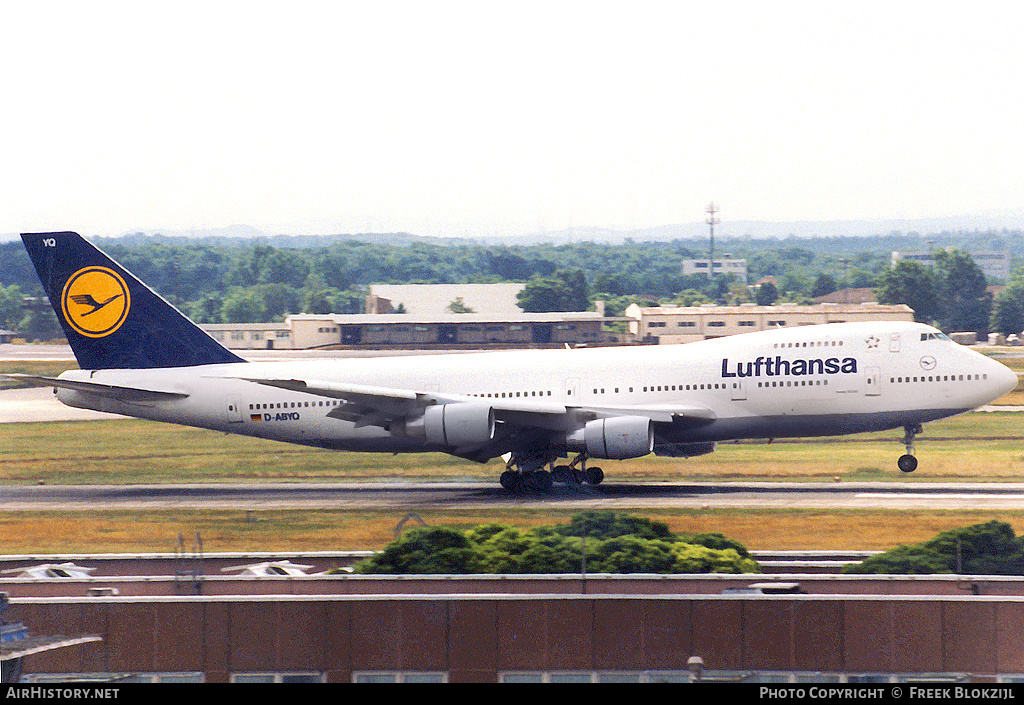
(614, 544)
(981, 549)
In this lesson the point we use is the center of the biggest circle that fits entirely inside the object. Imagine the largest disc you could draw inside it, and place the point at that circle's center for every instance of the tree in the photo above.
(1008, 310)
(694, 558)
(686, 297)
(962, 291)
(318, 302)
(242, 306)
(543, 295)
(614, 544)
(40, 323)
(823, 285)
(767, 294)
(911, 283)
(427, 550)
(991, 548)
(459, 306)
(565, 291)
(632, 554)
(278, 300)
(208, 309)
(11, 303)
(609, 525)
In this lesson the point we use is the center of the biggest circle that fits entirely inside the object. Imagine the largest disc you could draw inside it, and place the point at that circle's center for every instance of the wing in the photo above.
(469, 426)
(130, 394)
(367, 405)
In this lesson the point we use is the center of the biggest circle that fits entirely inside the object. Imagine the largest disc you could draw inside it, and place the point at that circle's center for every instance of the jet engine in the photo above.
(616, 438)
(457, 425)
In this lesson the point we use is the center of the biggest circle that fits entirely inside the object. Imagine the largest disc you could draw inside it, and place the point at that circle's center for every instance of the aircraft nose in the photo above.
(1003, 377)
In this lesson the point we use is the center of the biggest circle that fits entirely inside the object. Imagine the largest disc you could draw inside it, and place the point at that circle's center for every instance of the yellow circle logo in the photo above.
(95, 301)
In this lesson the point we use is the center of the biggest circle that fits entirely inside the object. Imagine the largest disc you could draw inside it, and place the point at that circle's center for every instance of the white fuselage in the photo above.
(809, 381)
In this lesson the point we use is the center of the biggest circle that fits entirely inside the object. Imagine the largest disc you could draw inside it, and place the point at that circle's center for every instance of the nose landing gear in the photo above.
(907, 462)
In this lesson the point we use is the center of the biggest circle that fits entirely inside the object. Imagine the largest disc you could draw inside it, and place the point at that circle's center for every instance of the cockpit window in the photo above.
(934, 336)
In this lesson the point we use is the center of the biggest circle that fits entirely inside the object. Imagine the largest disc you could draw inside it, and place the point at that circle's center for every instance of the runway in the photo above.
(468, 496)
(36, 404)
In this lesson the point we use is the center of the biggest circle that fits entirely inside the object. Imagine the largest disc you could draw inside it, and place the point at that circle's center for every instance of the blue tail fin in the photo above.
(111, 319)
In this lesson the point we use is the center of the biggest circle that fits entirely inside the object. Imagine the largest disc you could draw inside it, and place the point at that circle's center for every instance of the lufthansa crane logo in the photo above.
(95, 301)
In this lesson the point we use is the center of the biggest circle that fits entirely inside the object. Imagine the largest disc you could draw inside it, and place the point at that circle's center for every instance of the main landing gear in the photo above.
(523, 475)
(907, 462)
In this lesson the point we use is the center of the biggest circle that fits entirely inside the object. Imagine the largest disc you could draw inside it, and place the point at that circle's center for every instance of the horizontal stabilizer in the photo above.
(130, 394)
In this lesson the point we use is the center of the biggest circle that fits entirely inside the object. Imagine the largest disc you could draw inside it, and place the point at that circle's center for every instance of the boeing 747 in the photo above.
(141, 357)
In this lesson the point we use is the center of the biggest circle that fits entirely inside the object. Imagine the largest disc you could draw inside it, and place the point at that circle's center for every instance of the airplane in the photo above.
(140, 357)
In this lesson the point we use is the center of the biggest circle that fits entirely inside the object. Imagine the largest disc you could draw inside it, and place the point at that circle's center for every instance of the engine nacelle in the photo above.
(459, 425)
(616, 438)
(684, 450)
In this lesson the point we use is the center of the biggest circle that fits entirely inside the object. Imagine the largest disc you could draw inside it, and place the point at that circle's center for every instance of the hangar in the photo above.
(403, 330)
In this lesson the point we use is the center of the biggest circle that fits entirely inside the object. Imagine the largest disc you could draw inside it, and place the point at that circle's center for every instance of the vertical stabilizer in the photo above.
(111, 319)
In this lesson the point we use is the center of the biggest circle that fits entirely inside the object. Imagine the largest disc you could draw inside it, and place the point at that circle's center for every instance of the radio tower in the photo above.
(711, 227)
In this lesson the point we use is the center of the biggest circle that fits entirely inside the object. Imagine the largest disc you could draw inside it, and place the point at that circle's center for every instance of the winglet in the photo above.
(111, 319)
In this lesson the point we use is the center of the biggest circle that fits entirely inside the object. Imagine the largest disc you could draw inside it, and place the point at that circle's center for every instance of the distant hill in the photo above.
(255, 237)
(765, 229)
(236, 234)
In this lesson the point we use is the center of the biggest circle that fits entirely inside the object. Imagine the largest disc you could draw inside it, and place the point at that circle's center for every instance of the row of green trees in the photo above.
(232, 281)
(617, 543)
(612, 543)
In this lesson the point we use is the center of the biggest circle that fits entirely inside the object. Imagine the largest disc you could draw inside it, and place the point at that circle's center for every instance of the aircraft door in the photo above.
(234, 410)
(872, 382)
(739, 390)
(572, 392)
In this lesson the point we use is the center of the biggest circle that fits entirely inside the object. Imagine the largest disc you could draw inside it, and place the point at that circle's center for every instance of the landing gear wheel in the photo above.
(562, 474)
(539, 481)
(594, 475)
(509, 480)
(907, 463)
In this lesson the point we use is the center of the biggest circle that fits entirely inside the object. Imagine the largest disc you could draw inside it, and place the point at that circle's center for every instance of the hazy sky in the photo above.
(455, 118)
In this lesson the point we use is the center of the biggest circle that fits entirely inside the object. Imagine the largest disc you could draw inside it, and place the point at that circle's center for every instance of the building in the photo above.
(252, 336)
(723, 267)
(529, 637)
(404, 330)
(427, 316)
(438, 300)
(848, 296)
(196, 617)
(994, 265)
(686, 324)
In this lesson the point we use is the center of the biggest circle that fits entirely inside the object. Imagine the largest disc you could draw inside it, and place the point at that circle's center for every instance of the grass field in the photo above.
(980, 447)
(313, 530)
(976, 447)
